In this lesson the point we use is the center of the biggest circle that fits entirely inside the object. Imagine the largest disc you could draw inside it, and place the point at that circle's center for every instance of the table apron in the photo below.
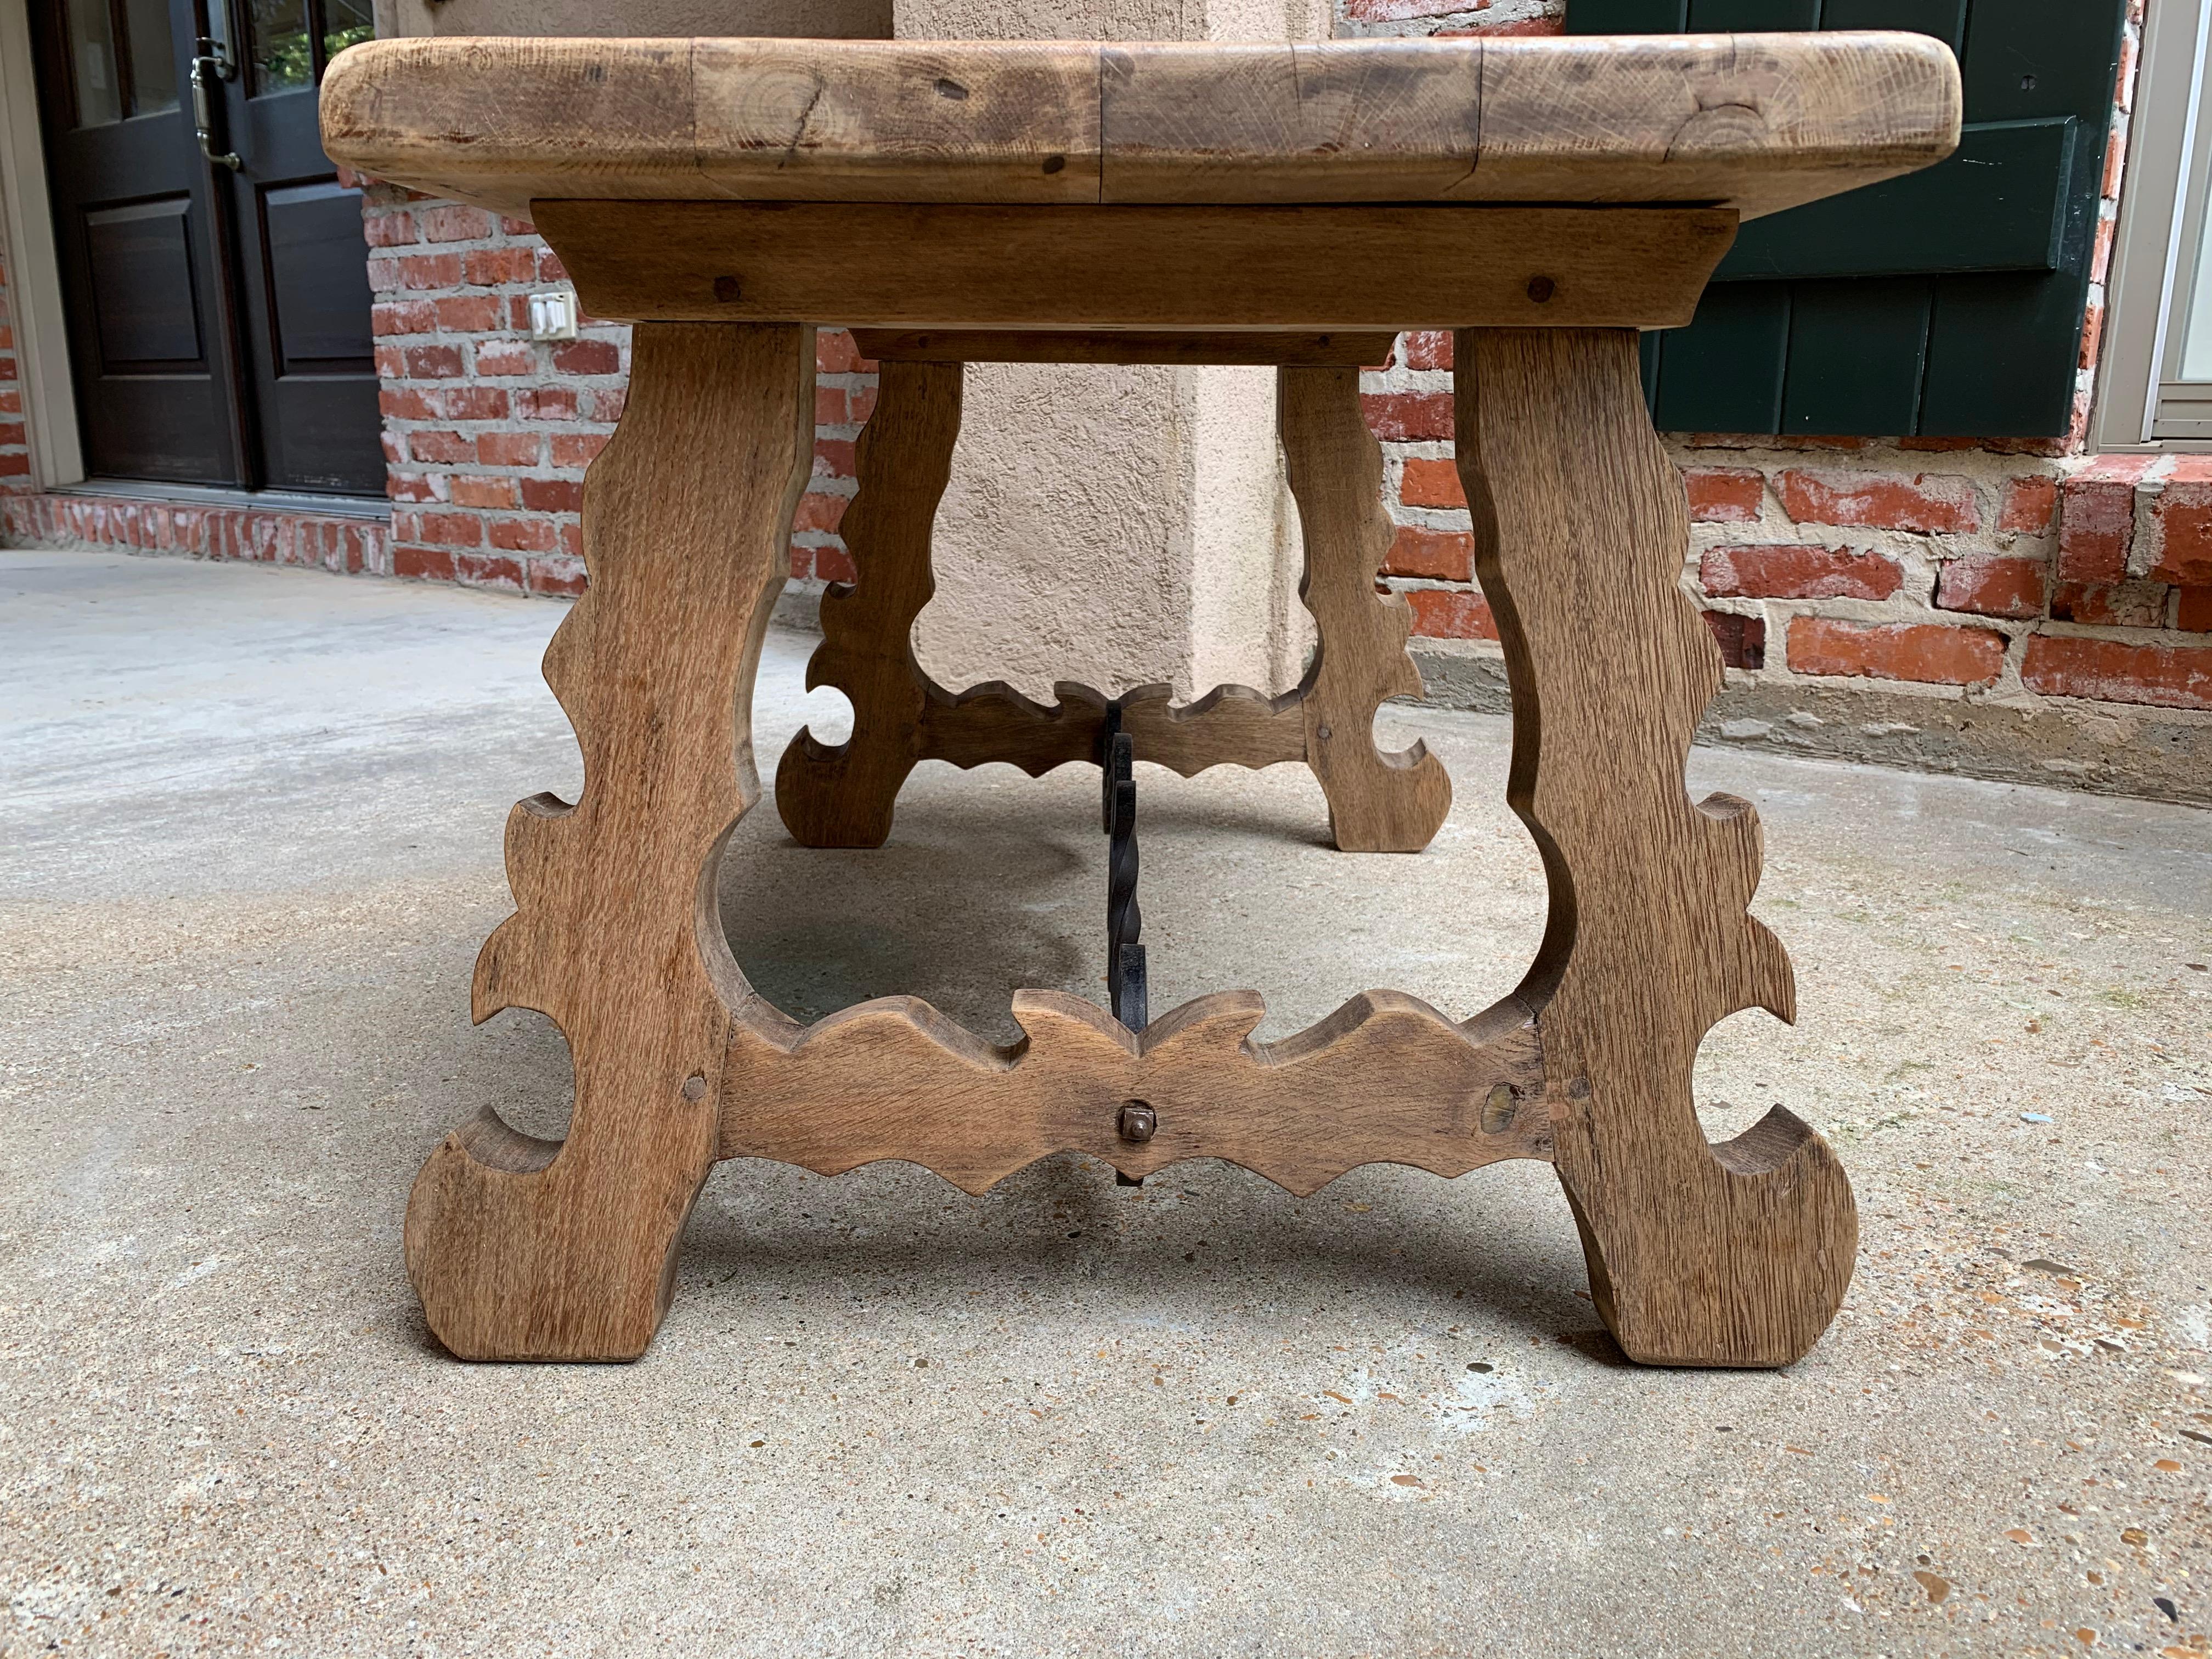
(920, 266)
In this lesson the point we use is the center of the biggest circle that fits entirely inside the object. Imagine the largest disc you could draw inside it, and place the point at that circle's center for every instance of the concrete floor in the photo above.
(251, 842)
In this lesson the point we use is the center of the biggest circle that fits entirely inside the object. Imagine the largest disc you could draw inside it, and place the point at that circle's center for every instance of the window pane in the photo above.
(2196, 339)
(345, 23)
(92, 56)
(153, 55)
(2189, 323)
(2196, 357)
(282, 48)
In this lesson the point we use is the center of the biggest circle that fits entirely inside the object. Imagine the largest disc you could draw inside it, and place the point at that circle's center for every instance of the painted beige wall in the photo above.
(1115, 526)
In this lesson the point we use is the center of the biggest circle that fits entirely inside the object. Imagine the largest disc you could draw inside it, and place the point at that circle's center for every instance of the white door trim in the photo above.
(34, 276)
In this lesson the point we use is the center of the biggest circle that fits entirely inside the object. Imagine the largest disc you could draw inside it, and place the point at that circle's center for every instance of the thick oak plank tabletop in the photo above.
(1754, 122)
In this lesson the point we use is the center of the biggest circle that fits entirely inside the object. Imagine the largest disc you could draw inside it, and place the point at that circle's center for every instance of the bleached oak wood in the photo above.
(1734, 1254)
(523, 1248)
(894, 1078)
(1128, 346)
(828, 798)
(499, 122)
(899, 120)
(841, 795)
(1377, 802)
(1730, 1255)
(1756, 122)
(886, 166)
(1752, 122)
(526, 1250)
(1783, 119)
(844, 795)
(1308, 121)
(900, 265)
(1229, 726)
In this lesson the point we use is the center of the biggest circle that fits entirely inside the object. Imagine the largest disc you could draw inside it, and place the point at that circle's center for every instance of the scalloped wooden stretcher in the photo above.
(1294, 205)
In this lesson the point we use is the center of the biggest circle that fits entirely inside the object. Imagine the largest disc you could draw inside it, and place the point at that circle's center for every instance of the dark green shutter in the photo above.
(1947, 303)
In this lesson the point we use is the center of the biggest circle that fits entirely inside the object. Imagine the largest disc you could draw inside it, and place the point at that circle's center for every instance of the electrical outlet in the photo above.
(553, 316)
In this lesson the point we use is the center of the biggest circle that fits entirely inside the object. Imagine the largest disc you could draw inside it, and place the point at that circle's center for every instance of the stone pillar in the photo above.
(1116, 525)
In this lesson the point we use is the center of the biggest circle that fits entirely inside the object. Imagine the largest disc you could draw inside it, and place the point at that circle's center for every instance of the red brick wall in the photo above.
(16, 474)
(344, 543)
(487, 434)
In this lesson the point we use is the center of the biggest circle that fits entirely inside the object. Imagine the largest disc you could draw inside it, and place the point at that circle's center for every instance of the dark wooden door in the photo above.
(219, 314)
(143, 272)
(302, 266)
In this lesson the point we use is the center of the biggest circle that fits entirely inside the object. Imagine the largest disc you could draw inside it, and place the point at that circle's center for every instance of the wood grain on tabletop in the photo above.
(1757, 122)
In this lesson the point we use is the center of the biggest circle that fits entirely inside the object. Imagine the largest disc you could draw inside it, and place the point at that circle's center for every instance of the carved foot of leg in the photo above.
(1740, 1257)
(538, 1249)
(840, 794)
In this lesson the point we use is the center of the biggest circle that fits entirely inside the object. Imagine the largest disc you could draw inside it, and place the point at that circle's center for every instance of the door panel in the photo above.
(94, 67)
(319, 277)
(152, 59)
(313, 359)
(146, 311)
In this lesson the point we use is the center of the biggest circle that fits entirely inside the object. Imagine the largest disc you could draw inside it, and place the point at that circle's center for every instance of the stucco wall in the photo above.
(1115, 524)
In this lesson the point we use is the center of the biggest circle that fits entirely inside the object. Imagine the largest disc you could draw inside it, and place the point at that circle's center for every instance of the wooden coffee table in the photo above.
(1294, 205)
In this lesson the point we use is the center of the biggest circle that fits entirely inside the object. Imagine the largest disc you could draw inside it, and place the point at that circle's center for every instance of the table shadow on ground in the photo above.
(981, 892)
(1201, 1238)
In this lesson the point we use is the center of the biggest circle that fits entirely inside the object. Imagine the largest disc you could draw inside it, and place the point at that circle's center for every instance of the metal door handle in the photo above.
(210, 64)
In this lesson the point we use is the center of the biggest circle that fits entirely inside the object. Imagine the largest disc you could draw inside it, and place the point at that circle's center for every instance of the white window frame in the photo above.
(2140, 404)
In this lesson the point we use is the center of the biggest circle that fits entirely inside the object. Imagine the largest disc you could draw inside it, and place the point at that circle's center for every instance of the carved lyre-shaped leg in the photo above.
(531, 1249)
(1730, 1254)
(1377, 802)
(842, 796)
